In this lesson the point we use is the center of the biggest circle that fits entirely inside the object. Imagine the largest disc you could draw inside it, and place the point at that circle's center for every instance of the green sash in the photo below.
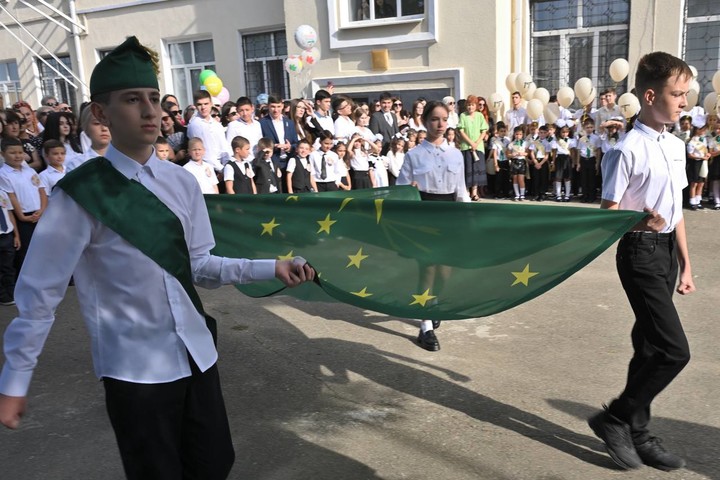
(139, 217)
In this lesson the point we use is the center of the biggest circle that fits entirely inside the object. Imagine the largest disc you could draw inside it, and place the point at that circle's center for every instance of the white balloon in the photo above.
(694, 71)
(529, 94)
(522, 82)
(629, 104)
(711, 103)
(543, 95)
(589, 99)
(619, 69)
(305, 37)
(692, 99)
(695, 86)
(565, 96)
(534, 109)
(716, 81)
(510, 81)
(583, 88)
(495, 102)
(551, 113)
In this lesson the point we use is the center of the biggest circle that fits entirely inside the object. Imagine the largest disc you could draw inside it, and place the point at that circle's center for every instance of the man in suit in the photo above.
(384, 121)
(282, 131)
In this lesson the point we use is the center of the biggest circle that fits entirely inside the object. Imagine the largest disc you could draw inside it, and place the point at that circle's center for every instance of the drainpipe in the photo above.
(75, 34)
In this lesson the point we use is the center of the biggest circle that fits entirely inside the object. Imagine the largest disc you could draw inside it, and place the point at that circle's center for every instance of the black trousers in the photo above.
(502, 180)
(176, 430)
(648, 269)
(7, 267)
(587, 178)
(25, 230)
(539, 179)
(326, 186)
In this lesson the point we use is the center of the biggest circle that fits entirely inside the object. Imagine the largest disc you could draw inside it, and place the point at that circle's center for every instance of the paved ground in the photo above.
(328, 391)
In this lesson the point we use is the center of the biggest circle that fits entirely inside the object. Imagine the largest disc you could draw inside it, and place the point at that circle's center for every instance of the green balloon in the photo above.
(205, 74)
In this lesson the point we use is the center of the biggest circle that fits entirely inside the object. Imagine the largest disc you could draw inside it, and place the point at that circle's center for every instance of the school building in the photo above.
(412, 48)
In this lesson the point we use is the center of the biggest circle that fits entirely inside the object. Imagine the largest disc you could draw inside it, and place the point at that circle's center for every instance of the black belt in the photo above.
(363, 173)
(438, 197)
(649, 236)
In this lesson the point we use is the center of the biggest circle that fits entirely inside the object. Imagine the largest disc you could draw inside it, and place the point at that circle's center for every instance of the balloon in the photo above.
(224, 95)
(629, 104)
(510, 82)
(205, 74)
(716, 81)
(310, 56)
(694, 85)
(216, 101)
(589, 99)
(619, 69)
(565, 96)
(551, 113)
(214, 85)
(529, 94)
(692, 99)
(305, 37)
(583, 88)
(495, 102)
(293, 64)
(534, 109)
(711, 103)
(694, 71)
(543, 95)
(522, 82)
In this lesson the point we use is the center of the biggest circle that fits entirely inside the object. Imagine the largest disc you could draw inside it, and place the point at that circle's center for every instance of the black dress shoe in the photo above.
(436, 324)
(428, 341)
(654, 455)
(618, 439)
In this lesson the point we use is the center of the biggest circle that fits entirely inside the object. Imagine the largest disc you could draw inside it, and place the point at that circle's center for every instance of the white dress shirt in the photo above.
(344, 128)
(252, 132)
(204, 174)
(646, 169)
(75, 162)
(212, 133)
(436, 169)
(49, 177)
(141, 322)
(515, 118)
(24, 183)
(333, 169)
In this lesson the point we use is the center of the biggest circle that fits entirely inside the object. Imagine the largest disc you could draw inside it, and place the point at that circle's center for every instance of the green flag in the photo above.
(387, 251)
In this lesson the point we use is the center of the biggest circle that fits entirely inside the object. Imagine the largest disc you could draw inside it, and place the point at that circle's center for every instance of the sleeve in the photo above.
(290, 165)
(64, 227)
(211, 271)
(374, 127)
(462, 123)
(616, 171)
(228, 173)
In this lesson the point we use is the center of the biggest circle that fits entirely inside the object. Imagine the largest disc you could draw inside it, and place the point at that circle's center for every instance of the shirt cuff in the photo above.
(263, 269)
(14, 384)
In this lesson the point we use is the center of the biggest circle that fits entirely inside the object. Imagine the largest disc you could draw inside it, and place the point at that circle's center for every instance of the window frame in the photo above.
(186, 98)
(705, 83)
(62, 90)
(346, 21)
(286, 93)
(10, 86)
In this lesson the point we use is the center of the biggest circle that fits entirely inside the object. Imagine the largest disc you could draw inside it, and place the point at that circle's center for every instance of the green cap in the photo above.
(130, 65)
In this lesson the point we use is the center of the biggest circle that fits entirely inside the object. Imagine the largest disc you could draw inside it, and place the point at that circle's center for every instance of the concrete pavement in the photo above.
(328, 391)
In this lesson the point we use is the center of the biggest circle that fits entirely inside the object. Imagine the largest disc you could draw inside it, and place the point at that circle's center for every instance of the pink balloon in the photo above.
(224, 95)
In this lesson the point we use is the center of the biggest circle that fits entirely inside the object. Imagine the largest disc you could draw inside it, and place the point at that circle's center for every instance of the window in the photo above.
(264, 55)
(187, 60)
(702, 41)
(361, 10)
(53, 84)
(9, 83)
(572, 39)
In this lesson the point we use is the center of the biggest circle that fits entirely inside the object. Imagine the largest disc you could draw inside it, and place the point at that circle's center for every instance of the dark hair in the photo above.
(161, 141)
(608, 90)
(588, 121)
(165, 99)
(177, 126)
(239, 142)
(324, 135)
(273, 99)
(517, 129)
(225, 110)
(11, 116)
(50, 144)
(264, 143)
(322, 95)
(500, 125)
(385, 96)
(654, 69)
(515, 93)
(11, 142)
(201, 94)
(305, 141)
(339, 99)
(52, 129)
(543, 128)
(242, 101)
(429, 107)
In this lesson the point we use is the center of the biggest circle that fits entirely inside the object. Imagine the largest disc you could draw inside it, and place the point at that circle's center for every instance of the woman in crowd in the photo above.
(228, 113)
(472, 131)
(59, 127)
(14, 129)
(362, 120)
(31, 125)
(176, 135)
(300, 111)
(416, 122)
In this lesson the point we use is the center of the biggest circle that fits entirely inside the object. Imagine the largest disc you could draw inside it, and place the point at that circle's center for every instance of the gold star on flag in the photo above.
(269, 227)
(326, 224)
(287, 256)
(344, 203)
(524, 276)
(378, 209)
(356, 259)
(362, 293)
(293, 198)
(423, 299)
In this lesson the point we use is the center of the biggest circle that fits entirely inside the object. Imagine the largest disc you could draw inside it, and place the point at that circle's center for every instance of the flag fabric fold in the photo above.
(387, 251)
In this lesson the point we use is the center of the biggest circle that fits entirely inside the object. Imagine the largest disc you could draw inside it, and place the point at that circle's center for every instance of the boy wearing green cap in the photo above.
(152, 344)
